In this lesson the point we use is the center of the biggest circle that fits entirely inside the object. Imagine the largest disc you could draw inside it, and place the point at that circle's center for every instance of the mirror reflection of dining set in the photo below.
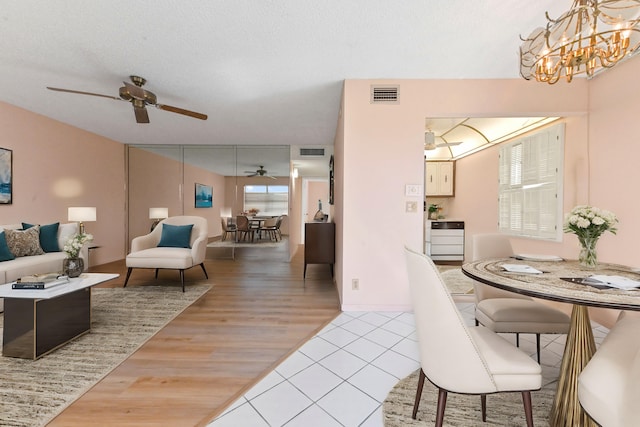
(253, 228)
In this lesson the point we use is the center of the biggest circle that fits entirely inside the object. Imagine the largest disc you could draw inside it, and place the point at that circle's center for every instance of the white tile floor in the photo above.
(342, 375)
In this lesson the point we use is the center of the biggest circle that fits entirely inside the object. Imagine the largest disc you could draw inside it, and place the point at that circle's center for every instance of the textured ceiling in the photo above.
(265, 72)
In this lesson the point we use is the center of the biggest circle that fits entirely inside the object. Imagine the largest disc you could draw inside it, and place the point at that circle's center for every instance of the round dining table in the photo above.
(563, 281)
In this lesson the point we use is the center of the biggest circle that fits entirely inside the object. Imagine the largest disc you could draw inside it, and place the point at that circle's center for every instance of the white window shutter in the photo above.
(530, 188)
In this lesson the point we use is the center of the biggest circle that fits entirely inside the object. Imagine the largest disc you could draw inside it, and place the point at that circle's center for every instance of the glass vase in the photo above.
(72, 267)
(588, 255)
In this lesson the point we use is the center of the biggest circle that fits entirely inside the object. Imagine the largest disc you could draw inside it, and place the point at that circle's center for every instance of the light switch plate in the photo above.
(411, 207)
(412, 190)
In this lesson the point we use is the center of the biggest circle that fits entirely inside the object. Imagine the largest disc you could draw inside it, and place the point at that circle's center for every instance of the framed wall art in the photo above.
(204, 196)
(6, 176)
(331, 183)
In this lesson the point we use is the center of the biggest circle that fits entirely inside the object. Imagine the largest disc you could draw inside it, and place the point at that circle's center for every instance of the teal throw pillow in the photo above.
(48, 236)
(5, 253)
(175, 236)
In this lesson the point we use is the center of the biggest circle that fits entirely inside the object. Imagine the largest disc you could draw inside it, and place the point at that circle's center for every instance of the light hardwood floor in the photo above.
(258, 311)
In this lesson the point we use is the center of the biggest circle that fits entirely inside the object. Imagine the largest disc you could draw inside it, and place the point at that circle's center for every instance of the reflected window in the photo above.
(267, 199)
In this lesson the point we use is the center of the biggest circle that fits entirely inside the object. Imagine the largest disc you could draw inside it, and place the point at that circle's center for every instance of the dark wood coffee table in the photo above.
(38, 321)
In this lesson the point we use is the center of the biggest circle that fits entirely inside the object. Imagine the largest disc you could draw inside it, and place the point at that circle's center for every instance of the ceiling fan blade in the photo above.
(142, 116)
(272, 177)
(182, 111)
(79, 92)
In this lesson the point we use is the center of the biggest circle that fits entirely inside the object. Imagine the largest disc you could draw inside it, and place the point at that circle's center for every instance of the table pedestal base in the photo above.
(580, 347)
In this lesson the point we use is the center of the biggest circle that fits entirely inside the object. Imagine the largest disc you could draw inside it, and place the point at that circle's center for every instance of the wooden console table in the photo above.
(319, 244)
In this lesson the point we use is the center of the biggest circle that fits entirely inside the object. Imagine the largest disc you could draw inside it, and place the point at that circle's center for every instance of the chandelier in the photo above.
(591, 36)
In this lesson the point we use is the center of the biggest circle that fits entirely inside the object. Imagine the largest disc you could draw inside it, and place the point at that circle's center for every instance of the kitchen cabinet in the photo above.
(439, 178)
(444, 240)
(319, 244)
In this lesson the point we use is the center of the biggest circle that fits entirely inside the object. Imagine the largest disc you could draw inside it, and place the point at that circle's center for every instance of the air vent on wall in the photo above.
(312, 151)
(384, 94)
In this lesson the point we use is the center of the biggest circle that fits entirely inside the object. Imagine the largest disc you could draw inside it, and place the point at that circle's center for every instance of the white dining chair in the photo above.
(461, 359)
(507, 312)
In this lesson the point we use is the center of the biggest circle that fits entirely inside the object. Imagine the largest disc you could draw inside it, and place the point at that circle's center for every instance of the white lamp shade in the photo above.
(225, 212)
(158, 213)
(82, 214)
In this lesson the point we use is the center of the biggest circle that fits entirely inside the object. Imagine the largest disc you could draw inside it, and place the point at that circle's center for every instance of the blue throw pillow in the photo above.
(48, 236)
(5, 253)
(175, 236)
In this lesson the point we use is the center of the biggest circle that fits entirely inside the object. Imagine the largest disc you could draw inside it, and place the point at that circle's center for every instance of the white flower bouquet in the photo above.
(588, 223)
(74, 244)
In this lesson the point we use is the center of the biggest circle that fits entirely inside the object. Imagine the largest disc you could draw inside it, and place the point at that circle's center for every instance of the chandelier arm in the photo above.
(572, 45)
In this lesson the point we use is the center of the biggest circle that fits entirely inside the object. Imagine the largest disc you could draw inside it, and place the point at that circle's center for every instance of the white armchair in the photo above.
(172, 254)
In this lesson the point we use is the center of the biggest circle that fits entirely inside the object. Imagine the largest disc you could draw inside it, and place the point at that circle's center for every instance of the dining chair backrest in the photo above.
(448, 355)
(242, 223)
(270, 222)
(491, 245)
(226, 225)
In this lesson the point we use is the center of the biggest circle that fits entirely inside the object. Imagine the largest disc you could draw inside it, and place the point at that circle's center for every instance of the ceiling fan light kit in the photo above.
(592, 36)
(139, 98)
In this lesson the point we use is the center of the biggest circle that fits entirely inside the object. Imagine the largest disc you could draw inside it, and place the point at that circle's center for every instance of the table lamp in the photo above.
(81, 214)
(158, 214)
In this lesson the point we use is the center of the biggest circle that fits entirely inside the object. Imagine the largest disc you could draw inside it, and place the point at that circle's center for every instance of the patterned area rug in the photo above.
(33, 392)
(457, 282)
(503, 409)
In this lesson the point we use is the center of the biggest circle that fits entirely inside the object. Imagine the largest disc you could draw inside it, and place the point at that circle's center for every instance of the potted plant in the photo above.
(433, 211)
(73, 265)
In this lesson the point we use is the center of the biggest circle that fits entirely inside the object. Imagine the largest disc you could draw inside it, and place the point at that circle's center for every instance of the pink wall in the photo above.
(295, 221)
(157, 181)
(316, 190)
(56, 166)
(477, 192)
(373, 226)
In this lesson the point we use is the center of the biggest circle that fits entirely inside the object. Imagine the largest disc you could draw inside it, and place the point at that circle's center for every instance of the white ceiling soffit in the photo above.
(476, 133)
(311, 165)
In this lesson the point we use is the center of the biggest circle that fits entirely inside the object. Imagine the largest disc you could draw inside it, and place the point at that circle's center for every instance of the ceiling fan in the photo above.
(430, 142)
(261, 171)
(139, 98)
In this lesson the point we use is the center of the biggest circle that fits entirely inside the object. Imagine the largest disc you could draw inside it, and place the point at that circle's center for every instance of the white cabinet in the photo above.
(438, 178)
(444, 240)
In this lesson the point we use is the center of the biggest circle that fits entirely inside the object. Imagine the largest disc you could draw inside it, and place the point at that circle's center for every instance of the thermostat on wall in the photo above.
(413, 190)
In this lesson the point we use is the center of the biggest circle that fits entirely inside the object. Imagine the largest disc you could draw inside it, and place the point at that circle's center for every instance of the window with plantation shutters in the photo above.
(268, 199)
(530, 185)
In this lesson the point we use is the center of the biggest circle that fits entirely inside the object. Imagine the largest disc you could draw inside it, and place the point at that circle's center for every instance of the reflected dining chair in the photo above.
(269, 227)
(507, 312)
(458, 358)
(243, 228)
(227, 228)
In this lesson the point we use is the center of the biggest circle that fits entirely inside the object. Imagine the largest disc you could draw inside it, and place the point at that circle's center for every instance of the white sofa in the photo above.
(48, 262)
